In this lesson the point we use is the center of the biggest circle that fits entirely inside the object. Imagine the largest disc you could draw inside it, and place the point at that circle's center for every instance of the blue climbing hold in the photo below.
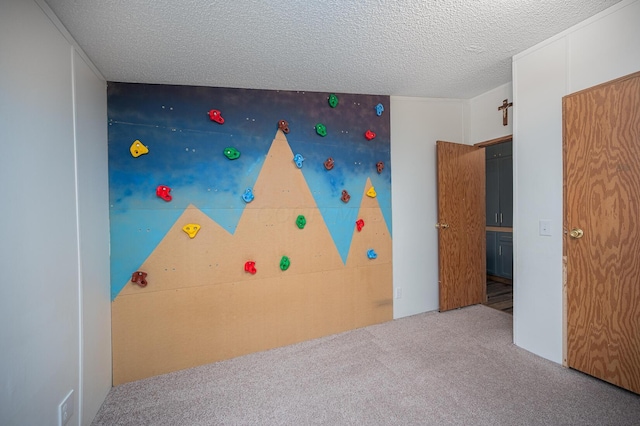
(379, 109)
(371, 254)
(298, 159)
(248, 195)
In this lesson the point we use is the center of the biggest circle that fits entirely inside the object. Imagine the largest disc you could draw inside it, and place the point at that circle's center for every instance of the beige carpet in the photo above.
(458, 367)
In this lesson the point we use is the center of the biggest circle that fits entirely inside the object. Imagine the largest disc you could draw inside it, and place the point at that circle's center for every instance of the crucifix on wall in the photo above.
(505, 111)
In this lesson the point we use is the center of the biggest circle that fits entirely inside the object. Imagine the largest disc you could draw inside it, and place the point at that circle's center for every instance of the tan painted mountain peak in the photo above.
(374, 235)
(268, 224)
(281, 184)
(179, 261)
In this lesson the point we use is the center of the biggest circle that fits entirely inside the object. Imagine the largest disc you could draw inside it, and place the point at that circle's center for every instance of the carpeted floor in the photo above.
(458, 367)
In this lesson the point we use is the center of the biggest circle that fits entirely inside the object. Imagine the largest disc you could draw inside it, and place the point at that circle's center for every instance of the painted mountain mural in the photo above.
(201, 305)
(185, 153)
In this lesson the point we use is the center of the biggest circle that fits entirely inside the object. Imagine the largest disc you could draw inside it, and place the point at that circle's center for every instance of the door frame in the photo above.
(484, 144)
(507, 138)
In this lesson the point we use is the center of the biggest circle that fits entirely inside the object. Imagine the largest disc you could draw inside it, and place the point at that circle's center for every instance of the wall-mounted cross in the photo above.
(505, 111)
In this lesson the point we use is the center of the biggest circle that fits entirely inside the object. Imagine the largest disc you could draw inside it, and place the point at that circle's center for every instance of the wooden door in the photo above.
(461, 222)
(602, 230)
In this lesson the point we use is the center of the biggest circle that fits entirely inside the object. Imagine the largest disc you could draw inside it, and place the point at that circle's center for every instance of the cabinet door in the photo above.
(492, 253)
(492, 151)
(505, 176)
(506, 149)
(498, 150)
(492, 175)
(505, 255)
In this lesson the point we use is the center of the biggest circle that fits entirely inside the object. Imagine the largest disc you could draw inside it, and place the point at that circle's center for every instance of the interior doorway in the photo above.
(475, 244)
(499, 222)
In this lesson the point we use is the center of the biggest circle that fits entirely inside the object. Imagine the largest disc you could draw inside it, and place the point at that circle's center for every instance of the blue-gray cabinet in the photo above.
(499, 185)
(500, 254)
(492, 239)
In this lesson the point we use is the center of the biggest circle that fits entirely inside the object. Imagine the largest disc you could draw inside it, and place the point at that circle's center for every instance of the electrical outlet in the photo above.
(65, 409)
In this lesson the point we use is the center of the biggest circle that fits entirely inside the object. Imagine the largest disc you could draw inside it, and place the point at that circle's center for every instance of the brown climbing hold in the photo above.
(328, 164)
(139, 278)
(284, 126)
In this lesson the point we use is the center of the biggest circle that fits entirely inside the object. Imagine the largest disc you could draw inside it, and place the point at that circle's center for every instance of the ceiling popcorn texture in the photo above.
(443, 49)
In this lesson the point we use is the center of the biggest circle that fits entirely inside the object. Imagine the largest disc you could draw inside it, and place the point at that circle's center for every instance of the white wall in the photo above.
(416, 125)
(599, 49)
(48, 234)
(484, 118)
(93, 213)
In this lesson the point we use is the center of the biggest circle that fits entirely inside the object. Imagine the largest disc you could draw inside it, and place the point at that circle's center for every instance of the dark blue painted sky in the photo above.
(186, 153)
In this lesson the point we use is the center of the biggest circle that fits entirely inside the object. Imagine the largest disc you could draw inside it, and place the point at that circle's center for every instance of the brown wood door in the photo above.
(602, 230)
(461, 220)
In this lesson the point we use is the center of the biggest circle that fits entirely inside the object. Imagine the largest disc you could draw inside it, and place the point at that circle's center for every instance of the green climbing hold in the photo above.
(321, 129)
(231, 153)
(333, 100)
(301, 221)
(285, 263)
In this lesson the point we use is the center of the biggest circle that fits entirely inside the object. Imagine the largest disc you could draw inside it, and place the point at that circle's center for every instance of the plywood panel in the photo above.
(168, 330)
(199, 304)
(602, 198)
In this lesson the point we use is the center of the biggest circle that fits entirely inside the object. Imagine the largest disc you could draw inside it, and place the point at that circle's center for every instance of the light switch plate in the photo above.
(545, 228)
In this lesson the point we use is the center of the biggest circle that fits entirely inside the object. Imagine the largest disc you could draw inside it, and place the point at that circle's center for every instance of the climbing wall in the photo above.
(243, 220)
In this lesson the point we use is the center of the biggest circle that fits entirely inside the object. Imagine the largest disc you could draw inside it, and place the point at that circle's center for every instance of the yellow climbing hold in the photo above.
(137, 149)
(191, 229)
(372, 192)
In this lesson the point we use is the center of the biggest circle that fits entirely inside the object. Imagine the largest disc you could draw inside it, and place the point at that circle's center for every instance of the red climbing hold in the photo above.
(250, 267)
(345, 196)
(215, 115)
(139, 278)
(163, 192)
(380, 166)
(369, 135)
(360, 224)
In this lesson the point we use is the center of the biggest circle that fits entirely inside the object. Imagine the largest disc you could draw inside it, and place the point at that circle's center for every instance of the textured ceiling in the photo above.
(440, 48)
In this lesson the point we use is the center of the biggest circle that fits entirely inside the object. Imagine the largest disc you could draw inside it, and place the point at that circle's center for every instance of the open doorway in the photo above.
(499, 222)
